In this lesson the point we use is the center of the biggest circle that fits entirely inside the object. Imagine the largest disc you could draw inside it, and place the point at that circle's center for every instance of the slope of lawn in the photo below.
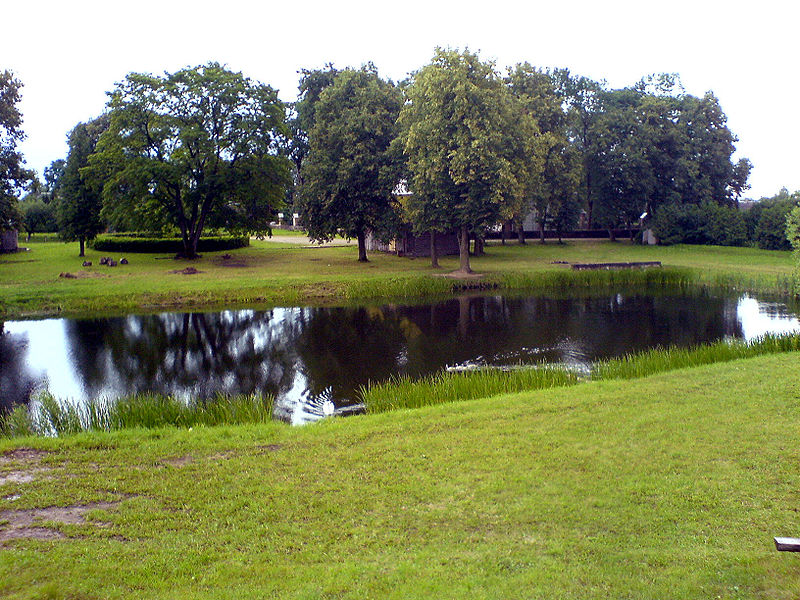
(670, 486)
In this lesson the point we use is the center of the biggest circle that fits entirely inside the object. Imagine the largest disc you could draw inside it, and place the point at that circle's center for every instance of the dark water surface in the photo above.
(304, 354)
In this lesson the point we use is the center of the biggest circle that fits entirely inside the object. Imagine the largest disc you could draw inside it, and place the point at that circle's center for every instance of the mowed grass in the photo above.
(670, 486)
(278, 273)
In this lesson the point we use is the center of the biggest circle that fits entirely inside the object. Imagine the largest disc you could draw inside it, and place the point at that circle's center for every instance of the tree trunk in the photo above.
(503, 234)
(190, 249)
(434, 252)
(611, 236)
(463, 250)
(541, 233)
(29, 237)
(362, 246)
(521, 233)
(479, 246)
(82, 242)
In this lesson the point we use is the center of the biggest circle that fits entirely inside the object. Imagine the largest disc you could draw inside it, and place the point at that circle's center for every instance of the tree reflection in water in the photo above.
(305, 355)
(17, 381)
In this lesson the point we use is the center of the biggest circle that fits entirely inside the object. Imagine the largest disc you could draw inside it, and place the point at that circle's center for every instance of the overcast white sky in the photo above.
(69, 54)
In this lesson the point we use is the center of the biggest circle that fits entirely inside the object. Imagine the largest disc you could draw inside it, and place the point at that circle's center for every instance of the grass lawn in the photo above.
(671, 486)
(275, 273)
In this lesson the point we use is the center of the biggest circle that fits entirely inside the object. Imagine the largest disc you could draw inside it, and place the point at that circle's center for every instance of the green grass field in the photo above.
(274, 273)
(670, 486)
(666, 486)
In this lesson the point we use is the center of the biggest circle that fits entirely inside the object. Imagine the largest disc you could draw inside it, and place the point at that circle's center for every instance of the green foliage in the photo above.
(50, 416)
(766, 220)
(13, 175)
(352, 168)
(38, 217)
(706, 223)
(155, 245)
(303, 117)
(195, 148)
(552, 178)
(793, 228)
(79, 198)
(465, 138)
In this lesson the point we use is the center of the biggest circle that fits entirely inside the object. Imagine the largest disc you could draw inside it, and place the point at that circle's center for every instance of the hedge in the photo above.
(116, 243)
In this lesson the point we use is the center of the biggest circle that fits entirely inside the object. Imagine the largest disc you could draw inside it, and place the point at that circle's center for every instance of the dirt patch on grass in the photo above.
(27, 462)
(178, 461)
(237, 262)
(269, 448)
(21, 476)
(186, 271)
(24, 455)
(17, 524)
(224, 455)
(81, 275)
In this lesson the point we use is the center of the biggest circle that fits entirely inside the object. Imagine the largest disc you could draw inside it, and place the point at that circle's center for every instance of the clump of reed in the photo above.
(658, 360)
(601, 279)
(49, 416)
(437, 388)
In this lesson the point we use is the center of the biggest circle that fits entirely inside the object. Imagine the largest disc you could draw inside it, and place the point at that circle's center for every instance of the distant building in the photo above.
(407, 243)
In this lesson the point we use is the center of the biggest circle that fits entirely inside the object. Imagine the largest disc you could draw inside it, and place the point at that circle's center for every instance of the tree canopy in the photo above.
(466, 142)
(192, 149)
(79, 199)
(352, 168)
(13, 174)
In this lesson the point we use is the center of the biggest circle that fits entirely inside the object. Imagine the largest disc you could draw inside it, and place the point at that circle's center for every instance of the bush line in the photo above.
(158, 245)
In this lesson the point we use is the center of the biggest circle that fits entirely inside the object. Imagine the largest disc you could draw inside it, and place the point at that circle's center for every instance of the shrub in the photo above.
(156, 245)
(706, 223)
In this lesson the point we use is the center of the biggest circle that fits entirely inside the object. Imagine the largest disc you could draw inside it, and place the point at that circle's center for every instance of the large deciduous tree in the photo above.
(303, 114)
(79, 199)
(352, 166)
(13, 175)
(464, 137)
(556, 163)
(194, 148)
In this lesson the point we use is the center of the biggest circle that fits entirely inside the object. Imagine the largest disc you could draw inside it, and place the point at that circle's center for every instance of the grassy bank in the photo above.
(274, 273)
(444, 387)
(671, 486)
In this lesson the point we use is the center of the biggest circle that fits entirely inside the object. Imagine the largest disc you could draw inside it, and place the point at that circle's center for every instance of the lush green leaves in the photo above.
(79, 198)
(13, 175)
(352, 167)
(194, 148)
(468, 145)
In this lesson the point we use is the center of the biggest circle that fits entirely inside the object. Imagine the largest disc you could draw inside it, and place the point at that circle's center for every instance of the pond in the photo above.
(305, 354)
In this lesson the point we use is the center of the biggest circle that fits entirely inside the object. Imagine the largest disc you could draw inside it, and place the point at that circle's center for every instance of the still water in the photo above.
(305, 354)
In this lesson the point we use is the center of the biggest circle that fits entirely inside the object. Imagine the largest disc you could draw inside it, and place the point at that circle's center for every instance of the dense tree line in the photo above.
(206, 147)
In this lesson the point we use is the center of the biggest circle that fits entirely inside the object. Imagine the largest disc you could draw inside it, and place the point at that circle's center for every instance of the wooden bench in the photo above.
(787, 544)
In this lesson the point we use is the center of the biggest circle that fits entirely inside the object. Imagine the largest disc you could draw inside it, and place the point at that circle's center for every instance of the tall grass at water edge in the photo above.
(602, 279)
(666, 277)
(658, 360)
(404, 392)
(47, 416)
